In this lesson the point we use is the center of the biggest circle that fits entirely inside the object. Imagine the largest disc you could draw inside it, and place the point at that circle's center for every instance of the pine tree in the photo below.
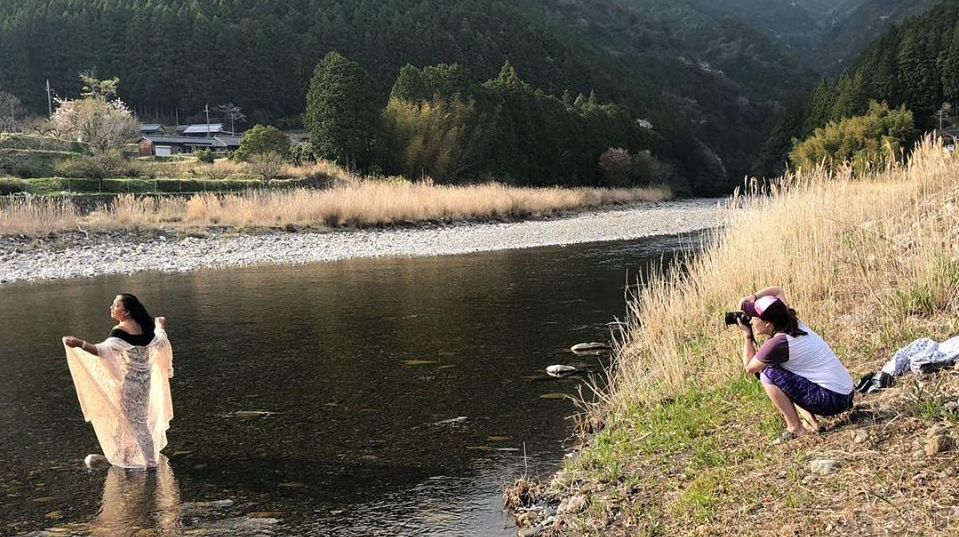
(342, 111)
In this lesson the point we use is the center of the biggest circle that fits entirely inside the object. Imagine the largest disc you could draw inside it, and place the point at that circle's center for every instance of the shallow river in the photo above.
(390, 396)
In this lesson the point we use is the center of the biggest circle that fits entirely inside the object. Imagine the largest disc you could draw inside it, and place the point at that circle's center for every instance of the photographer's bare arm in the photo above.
(750, 363)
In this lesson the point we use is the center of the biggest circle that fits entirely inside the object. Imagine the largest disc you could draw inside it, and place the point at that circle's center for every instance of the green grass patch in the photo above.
(700, 499)
(27, 163)
(18, 140)
(676, 456)
(690, 427)
(798, 499)
(927, 401)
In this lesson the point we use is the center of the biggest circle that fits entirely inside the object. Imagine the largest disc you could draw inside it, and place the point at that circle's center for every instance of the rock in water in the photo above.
(452, 421)
(589, 347)
(96, 461)
(560, 370)
(251, 414)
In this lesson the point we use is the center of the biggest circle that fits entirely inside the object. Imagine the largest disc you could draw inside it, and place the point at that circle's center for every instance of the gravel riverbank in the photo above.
(79, 255)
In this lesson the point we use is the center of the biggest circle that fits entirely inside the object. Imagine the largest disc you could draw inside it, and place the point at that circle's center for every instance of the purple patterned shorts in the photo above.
(806, 393)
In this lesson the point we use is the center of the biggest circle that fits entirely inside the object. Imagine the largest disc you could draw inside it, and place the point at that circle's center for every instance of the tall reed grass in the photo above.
(355, 203)
(868, 262)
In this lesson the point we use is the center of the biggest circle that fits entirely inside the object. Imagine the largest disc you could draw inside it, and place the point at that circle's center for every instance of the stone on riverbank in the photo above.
(126, 252)
(823, 466)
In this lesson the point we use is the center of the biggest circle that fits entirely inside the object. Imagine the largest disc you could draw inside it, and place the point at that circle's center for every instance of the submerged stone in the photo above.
(419, 362)
(96, 461)
(452, 421)
(250, 414)
(560, 370)
(594, 346)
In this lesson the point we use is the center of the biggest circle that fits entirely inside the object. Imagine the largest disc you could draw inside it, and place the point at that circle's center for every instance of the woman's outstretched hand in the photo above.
(160, 322)
(72, 342)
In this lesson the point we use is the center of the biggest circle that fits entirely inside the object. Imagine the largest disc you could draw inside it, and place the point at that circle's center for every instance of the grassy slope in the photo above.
(684, 442)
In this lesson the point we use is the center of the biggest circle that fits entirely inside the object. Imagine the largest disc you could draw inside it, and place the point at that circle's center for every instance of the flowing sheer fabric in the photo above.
(125, 393)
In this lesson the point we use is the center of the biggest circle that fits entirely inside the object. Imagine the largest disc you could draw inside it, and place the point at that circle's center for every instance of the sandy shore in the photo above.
(78, 255)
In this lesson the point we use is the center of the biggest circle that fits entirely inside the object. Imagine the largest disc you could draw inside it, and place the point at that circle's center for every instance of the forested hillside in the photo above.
(824, 34)
(915, 64)
(723, 90)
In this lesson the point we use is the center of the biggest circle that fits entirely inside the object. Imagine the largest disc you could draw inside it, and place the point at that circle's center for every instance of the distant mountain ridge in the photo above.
(825, 34)
(710, 80)
(259, 54)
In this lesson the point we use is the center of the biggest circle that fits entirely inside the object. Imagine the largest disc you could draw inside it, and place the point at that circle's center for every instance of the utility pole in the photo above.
(176, 112)
(943, 109)
(207, 108)
(49, 100)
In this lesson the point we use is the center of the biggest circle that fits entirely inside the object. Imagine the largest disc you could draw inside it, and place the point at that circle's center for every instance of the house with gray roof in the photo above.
(168, 145)
(202, 129)
(151, 128)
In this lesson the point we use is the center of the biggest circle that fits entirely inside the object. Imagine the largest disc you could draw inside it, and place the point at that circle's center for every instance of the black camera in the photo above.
(733, 316)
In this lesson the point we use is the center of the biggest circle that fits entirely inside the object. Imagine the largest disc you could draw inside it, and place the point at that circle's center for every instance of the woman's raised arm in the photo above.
(73, 342)
(766, 291)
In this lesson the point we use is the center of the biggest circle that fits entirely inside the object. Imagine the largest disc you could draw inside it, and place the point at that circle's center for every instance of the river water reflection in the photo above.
(364, 397)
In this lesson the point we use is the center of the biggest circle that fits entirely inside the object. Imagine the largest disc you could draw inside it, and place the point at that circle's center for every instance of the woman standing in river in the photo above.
(123, 384)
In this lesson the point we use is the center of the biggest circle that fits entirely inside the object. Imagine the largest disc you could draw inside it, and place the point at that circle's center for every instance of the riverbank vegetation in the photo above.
(680, 441)
(352, 202)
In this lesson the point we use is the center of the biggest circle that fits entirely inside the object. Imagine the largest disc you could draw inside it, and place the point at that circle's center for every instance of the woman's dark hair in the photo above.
(138, 311)
(789, 325)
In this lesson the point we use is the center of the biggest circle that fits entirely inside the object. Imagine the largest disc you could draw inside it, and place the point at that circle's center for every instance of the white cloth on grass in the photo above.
(923, 354)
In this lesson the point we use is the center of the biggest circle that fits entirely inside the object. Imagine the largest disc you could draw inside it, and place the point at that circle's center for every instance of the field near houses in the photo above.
(181, 192)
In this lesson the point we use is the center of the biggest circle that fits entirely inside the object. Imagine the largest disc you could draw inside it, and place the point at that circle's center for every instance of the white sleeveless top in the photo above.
(808, 356)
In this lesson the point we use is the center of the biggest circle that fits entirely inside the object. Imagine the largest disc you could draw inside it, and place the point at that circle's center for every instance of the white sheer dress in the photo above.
(125, 393)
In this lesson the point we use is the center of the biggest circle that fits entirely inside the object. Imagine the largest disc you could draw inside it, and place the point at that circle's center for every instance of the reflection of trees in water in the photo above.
(138, 499)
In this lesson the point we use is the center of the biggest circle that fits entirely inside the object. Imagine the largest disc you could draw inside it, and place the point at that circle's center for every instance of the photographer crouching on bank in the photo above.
(801, 374)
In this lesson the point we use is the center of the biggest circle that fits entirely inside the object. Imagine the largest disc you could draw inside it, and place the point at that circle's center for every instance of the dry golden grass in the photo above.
(866, 262)
(220, 169)
(36, 216)
(357, 203)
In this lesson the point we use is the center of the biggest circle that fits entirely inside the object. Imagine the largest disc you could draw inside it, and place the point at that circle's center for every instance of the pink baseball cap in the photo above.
(767, 308)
